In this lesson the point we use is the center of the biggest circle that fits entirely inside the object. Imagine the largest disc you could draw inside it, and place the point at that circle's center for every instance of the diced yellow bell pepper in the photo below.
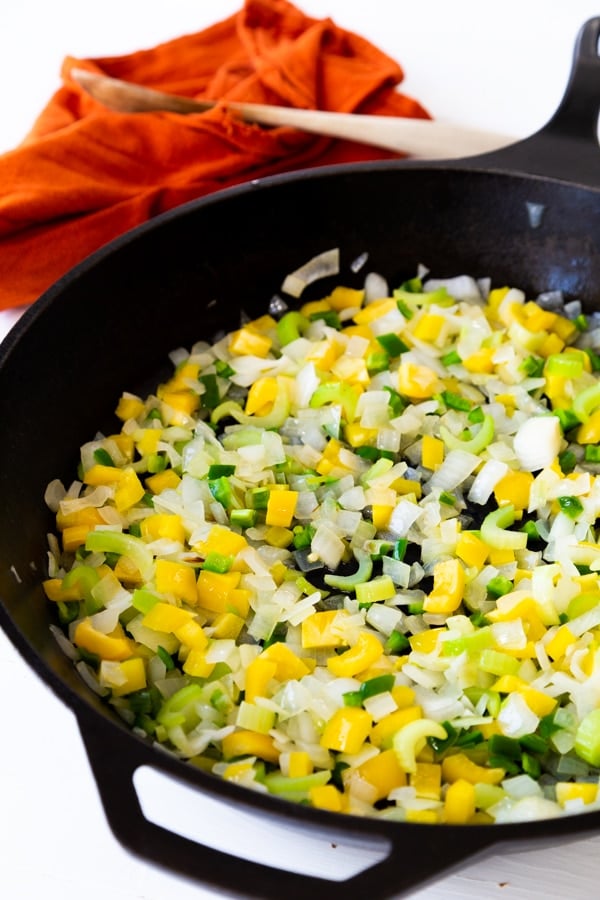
(133, 671)
(166, 617)
(471, 549)
(567, 791)
(221, 540)
(425, 641)
(113, 646)
(326, 796)
(248, 342)
(100, 474)
(481, 362)
(495, 298)
(589, 432)
(87, 515)
(366, 651)
(249, 743)
(127, 572)
(129, 407)
(538, 702)
(406, 486)
(178, 579)
(345, 298)
(403, 695)
(227, 625)
(74, 536)
(560, 641)
(381, 515)
(499, 556)
(375, 310)
(319, 629)
(551, 344)
(299, 764)
(124, 443)
(196, 663)
(53, 588)
(432, 452)
(214, 589)
(448, 587)
(458, 767)
(428, 327)
(427, 780)
(185, 402)
(258, 675)
(459, 803)
(281, 507)
(163, 481)
(538, 319)
(422, 816)
(261, 395)
(129, 490)
(417, 381)
(347, 730)
(384, 731)
(289, 665)
(565, 328)
(238, 602)
(383, 773)
(192, 635)
(324, 353)
(514, 488)
(163, 525)
(147, 440)
(357, 436)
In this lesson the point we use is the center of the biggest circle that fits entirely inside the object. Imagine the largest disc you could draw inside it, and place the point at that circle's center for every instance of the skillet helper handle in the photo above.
(567, 146)
(416, 854)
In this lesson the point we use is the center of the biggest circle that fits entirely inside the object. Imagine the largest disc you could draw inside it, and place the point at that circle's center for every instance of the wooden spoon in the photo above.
(415, 137)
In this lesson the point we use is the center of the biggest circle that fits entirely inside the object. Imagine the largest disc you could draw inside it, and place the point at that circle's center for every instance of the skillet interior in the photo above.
(109, 325)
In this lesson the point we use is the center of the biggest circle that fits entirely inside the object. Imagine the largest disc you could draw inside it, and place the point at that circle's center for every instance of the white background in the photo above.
(501, 66)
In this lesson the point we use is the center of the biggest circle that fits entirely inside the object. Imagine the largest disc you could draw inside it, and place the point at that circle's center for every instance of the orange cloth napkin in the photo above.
(85, 174)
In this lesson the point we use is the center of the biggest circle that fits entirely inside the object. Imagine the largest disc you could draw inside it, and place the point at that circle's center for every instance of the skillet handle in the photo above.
(415, 854)
(567, 146)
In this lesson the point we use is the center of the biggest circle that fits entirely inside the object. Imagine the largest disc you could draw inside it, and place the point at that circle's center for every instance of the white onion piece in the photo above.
(320, 266)
(376, 287)
(537, 442)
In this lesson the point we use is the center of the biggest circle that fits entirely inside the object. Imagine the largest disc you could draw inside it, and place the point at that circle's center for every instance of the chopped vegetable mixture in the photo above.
(348, 555)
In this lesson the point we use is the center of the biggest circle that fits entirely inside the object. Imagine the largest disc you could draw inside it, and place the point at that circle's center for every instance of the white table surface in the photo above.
(501, 66)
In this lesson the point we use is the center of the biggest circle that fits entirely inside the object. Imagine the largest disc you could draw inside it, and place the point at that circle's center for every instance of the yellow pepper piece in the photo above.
(100, 474)
(471, 549)
(163, 525)
(247, 342)
(214, 589)
(227, 625)
(538, 319)
(416, 381)
(423, 816)
(324, 353)
(299, 764)
(551, 344)
(133, 671)
(566, 791)
(357, 436)
(318, 629)
(261, 395)
(182, 404)
(559, 643)
(88, 515)
(74, 536)
(406, 486)
(128, 491)
(178, 579)
(129, 407)
(53, 588)
(459, 767)
(384, 731)
(166, 617)
(564, 328)
(425, 641)
(381, 515)
(289, 666)
(367, 650)
(147, 440)
(238, 602)
(113, 646)
(538, 702)
(448, 587)
(163, 481)
(196, 663)
(514, 488)
(249, 743)
(432, 452)
(427, 780)
(125, 444)
(345, 298)
(589, 432)
(326, 796)
(127, 572)
(281, 507)
(459, 803)
(403, 695)
(428, 327)
(258, 675)
(383, 773)
(221, 540)
(192, 635)
(347, 730)
(480, 362)
(375, 310)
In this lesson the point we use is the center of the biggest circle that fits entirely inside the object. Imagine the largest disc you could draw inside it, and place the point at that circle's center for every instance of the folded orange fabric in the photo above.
(85, 174)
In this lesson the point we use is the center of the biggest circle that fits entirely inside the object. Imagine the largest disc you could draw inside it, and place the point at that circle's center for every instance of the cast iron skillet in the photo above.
(527, 216)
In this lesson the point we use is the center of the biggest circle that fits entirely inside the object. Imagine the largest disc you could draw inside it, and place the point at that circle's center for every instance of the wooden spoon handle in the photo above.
(416, 137)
